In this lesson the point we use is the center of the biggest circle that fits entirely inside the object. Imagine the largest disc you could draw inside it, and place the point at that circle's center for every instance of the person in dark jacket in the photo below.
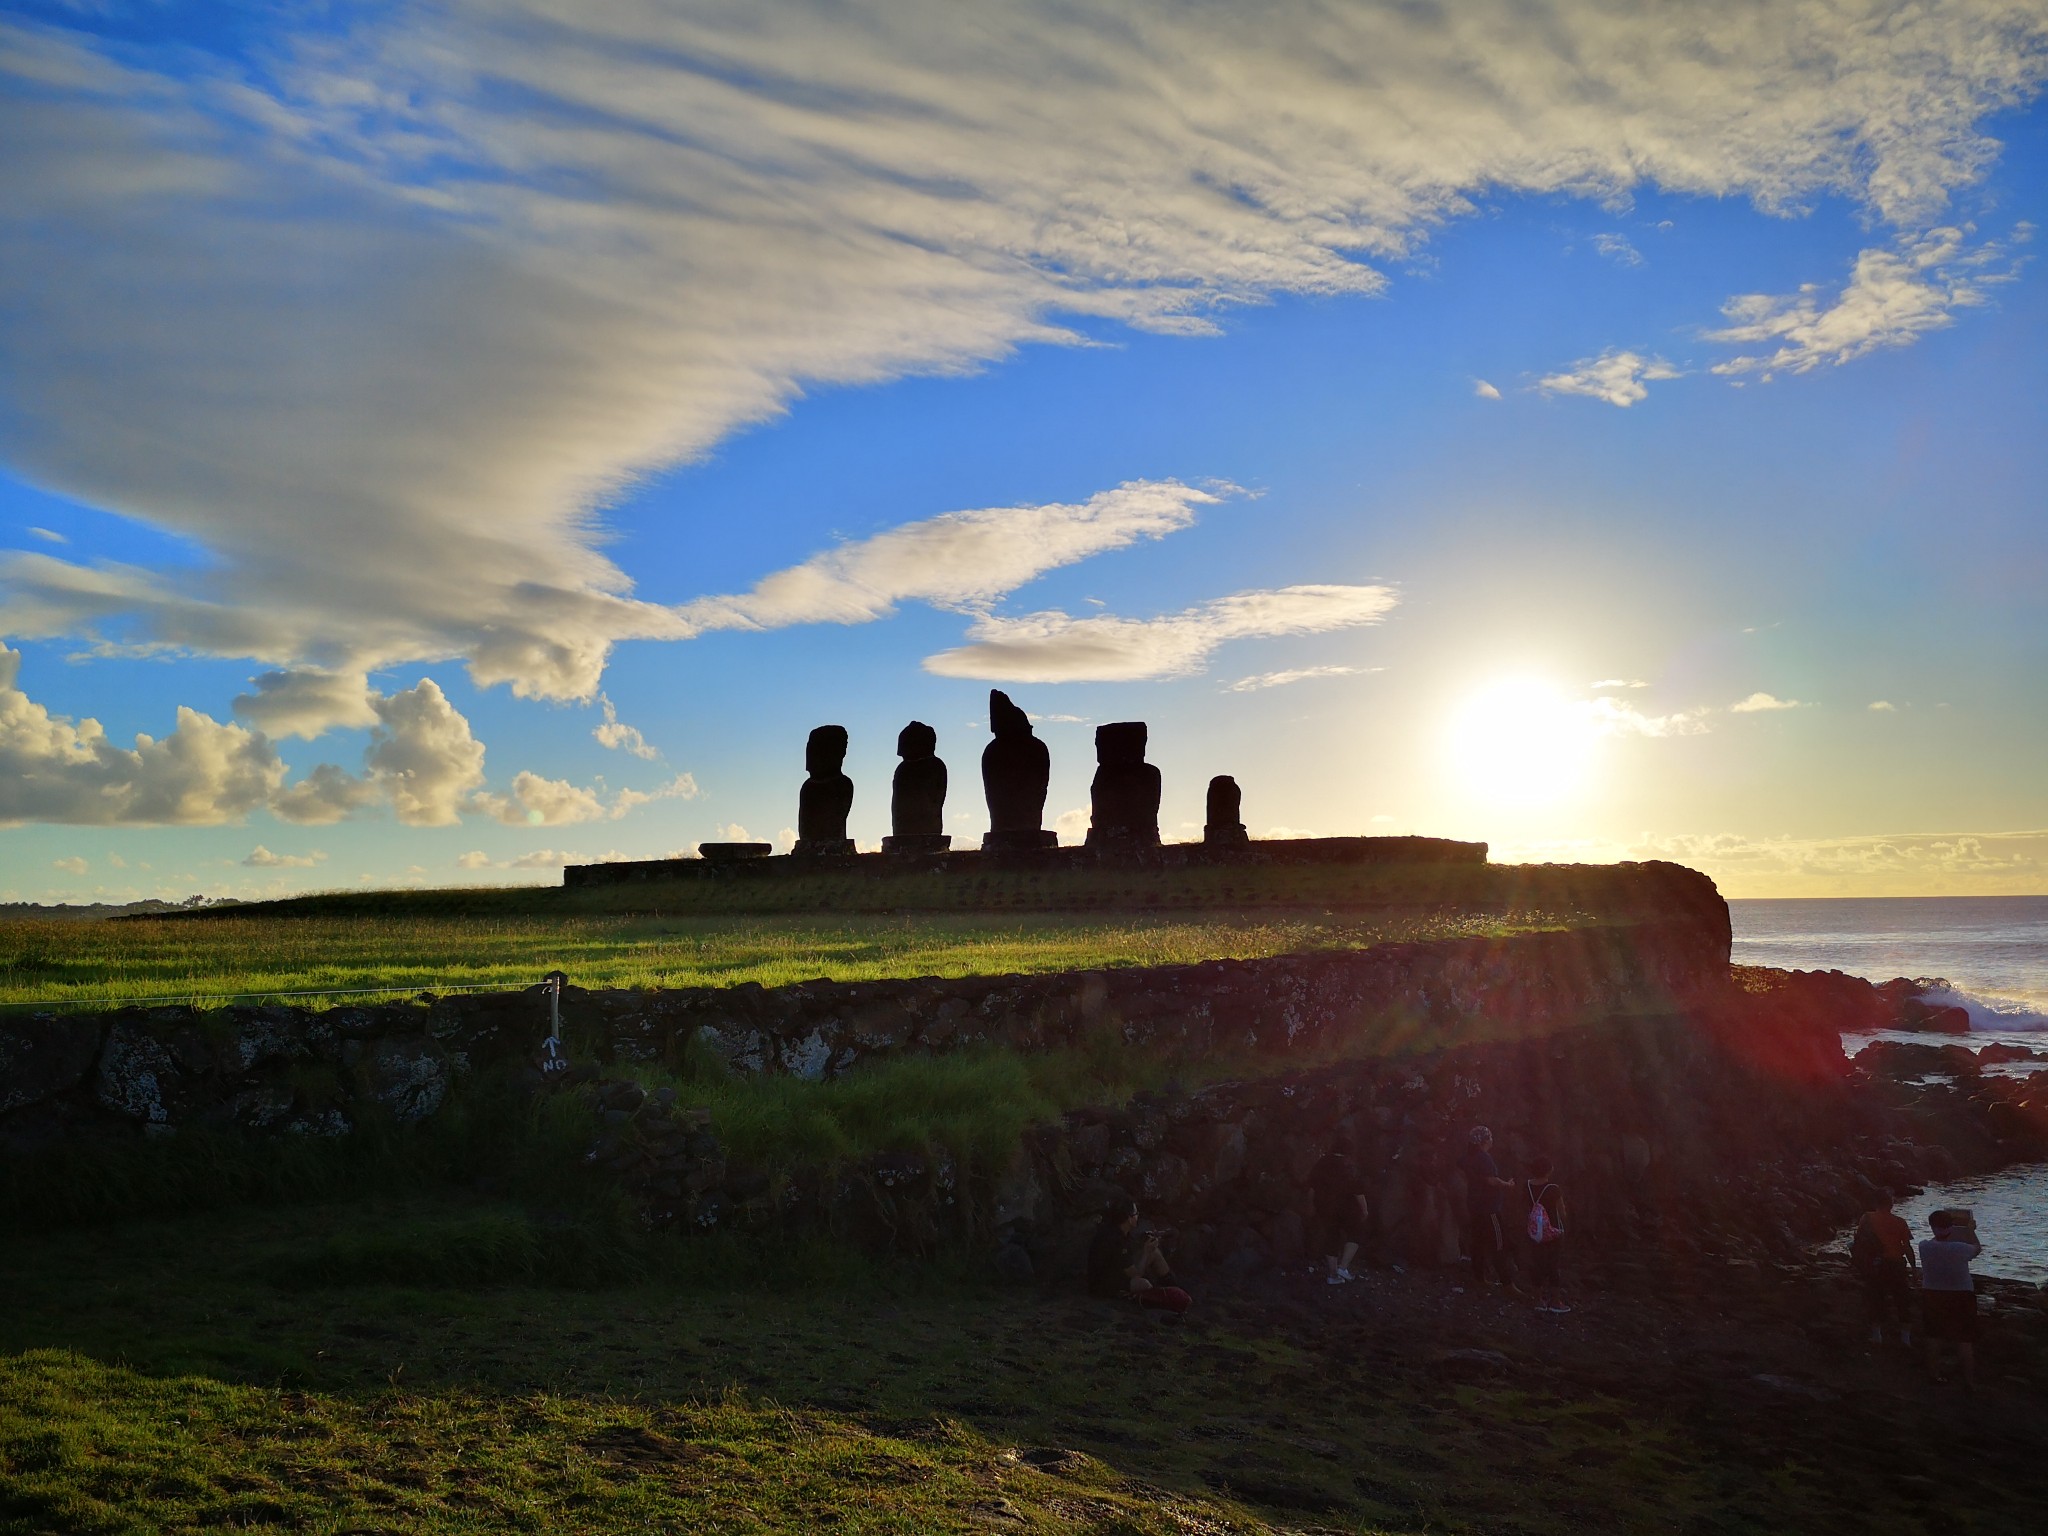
(1881, 1253)
(1483, 1190)
(1341, 1209)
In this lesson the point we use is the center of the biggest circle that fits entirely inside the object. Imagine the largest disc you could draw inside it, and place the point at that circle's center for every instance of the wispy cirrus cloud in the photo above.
(419, 290)
(1619, 377)
(1291, 675)
(957, 560)
(1055, 647)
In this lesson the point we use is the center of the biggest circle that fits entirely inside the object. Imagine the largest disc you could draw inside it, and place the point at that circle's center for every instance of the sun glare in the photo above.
(1521, 742)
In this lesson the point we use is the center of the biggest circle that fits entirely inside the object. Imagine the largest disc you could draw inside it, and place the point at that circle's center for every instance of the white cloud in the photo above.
(682, 787)
(307, 703)
(1072, 826)
(1619, 378)
(1892, 299)
(261, 857)
(48, 535)
(476, 858)
(1292, 675)
(544, 858)
(54, 769)
(620, 737)
(539, 802)
(959, 560)
(1892, 864)
(1055, 647)
(1615, 717)
(414, 294)
(1484, 390)
(1616, 248)
(1883, 706)
(1620, 682)
(1760, 703)
(71, 866)
(423, 756)
(323, 796)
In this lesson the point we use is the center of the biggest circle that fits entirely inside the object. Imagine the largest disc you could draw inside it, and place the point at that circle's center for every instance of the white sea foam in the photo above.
(1989, 1013)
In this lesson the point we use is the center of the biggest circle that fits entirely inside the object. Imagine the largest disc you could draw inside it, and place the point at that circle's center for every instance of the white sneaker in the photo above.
(1337, 1279)
(1346, 1276)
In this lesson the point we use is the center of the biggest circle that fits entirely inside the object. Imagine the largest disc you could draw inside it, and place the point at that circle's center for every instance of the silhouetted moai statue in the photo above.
(917, 799)
(1124, 809)
(827, 795)
(1226, 815)
(1015, 769)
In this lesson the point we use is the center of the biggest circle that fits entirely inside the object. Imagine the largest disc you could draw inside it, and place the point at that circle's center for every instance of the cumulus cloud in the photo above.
(1883, 706)
(307, 703)
(1291, 675)
(1893, 297)
(424, 756)
(71, 866)
(1619, 378)
(1484, 390)
(60, 770)
(416, 292)
(1055, 647)
(620, 737)
(538, 802)
(959, 560)
(261, 857)
(1616, 248)
(1762, 703)
(682, 787)
(476, 858)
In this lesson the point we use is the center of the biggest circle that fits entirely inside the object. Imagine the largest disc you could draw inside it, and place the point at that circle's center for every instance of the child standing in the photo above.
(1546, 1228)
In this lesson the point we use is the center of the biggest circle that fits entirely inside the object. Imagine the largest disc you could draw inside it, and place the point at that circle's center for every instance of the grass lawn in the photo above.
(273, 949)
(180, 1377)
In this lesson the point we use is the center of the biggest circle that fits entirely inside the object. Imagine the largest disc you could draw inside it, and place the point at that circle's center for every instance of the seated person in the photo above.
(1128, 1266)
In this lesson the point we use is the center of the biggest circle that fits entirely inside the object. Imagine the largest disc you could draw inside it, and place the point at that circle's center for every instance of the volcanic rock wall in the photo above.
(291, 1071)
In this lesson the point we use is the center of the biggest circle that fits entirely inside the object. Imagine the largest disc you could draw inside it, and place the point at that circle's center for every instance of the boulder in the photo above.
(138, 1076)
(42, 1056)
(407, 1078)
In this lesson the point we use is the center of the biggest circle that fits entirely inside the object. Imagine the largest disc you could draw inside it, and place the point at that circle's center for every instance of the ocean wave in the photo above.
(1987, 1012)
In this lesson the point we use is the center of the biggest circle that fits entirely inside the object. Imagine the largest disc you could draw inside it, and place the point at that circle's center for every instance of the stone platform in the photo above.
(881, 866)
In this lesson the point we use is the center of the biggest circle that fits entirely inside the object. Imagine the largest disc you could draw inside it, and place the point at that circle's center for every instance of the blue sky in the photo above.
(1558, 435)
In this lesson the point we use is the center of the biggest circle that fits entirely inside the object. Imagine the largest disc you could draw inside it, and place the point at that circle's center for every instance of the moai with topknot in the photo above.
(1124, 799)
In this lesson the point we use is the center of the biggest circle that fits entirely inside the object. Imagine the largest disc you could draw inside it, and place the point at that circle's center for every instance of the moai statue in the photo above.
(1225, 827)
(917, 799)
(1124, 799)
(1015, 768)
(826, 797)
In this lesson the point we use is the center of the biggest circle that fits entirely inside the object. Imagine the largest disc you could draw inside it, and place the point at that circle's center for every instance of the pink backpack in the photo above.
(1541, 1228)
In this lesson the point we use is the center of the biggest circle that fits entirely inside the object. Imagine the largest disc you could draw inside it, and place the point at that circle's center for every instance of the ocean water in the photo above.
(1992, 953)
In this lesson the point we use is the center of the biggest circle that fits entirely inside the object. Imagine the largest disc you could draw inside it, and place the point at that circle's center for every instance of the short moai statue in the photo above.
(827, 795)
(1225, 821)
(1124, 799)
(1015, 769)
(917, 798)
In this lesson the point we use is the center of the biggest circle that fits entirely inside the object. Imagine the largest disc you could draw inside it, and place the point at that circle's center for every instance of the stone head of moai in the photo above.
(1015, 769)
(917, 802)
(827, 796)
(916, 740)
(1124, 798)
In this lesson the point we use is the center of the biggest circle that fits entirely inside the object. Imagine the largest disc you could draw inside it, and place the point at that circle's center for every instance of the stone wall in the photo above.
(290, 1071)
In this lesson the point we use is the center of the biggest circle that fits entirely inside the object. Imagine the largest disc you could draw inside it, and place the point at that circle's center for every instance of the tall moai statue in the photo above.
(1015, 769)
(1225, 820)
(917, 796)
(1124, 799)
(827, 795)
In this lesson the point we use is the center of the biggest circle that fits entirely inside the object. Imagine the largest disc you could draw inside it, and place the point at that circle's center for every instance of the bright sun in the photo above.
(1522, 742)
